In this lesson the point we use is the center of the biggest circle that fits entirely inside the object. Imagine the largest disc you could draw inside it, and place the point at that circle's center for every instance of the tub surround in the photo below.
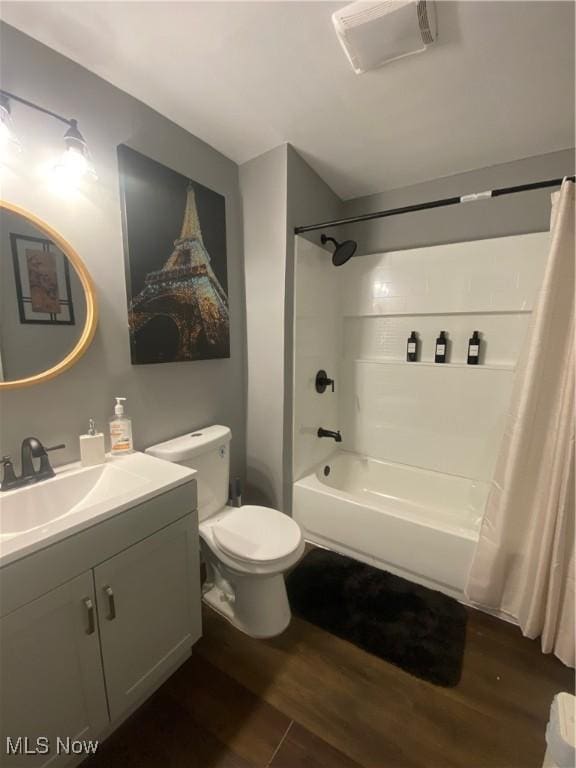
(317, 346)
(447, 417)
(354, 321)
(420, 439)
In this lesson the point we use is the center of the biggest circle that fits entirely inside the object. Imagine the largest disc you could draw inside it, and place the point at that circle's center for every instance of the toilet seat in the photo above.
(258, 535)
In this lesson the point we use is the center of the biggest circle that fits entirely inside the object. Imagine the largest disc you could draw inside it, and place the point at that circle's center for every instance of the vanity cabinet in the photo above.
(146, 604)
(82, 655)
(52, 681)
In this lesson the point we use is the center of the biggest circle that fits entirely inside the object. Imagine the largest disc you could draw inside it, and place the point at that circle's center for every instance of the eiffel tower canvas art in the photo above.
(175, 244)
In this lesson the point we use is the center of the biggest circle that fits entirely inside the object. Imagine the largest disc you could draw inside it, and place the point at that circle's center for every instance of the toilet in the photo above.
(246, 549)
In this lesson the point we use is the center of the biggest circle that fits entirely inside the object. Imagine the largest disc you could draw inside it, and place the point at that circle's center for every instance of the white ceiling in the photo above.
(248, 76)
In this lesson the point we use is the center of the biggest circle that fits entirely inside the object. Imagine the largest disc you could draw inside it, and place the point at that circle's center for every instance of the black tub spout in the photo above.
(329, 433)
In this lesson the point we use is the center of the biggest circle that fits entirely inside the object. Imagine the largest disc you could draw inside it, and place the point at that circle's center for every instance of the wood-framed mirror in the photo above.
(48, 307)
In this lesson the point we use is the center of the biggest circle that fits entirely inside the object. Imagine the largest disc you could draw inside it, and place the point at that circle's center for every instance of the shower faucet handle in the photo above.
(322, 381)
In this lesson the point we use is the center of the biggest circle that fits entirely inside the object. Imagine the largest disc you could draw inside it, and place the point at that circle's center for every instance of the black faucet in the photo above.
(322, 381)
(329, 433)
(32, 448)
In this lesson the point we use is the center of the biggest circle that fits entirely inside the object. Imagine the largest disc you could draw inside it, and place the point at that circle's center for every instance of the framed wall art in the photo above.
(176, 269)
(42, 278)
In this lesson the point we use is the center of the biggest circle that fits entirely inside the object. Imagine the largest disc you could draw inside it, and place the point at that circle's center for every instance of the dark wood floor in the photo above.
(310, 700)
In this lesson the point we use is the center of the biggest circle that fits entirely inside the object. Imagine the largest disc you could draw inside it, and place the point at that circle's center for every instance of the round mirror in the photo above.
(48, 310)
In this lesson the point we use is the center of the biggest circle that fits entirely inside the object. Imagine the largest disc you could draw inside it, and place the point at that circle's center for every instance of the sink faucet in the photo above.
(329, 433)
(32, 448)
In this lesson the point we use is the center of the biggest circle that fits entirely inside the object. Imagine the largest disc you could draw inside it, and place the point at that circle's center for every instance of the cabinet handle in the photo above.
(89, 605)
(111, 603)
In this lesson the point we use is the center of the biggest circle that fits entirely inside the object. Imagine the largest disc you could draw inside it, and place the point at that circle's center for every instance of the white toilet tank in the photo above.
(207, 451)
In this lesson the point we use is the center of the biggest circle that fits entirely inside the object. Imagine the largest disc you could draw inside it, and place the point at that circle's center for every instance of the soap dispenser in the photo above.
(441, 351)
(474, 349)
(120, 430)
(92, 451)
(412, 348)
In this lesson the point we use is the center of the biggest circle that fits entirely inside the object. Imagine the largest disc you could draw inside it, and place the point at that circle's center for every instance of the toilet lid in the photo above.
(258, 534)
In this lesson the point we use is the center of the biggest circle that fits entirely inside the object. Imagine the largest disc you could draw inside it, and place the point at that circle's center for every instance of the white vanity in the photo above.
(99, 597)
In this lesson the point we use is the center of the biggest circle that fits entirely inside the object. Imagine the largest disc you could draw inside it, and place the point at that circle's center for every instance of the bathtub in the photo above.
(419, 524)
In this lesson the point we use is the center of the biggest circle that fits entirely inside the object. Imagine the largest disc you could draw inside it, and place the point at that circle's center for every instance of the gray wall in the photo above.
(163, 400)
(263, 184)
(509, 215)
(279, 190)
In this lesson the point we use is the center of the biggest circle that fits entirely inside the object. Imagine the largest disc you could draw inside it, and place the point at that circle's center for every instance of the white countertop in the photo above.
(39, 515)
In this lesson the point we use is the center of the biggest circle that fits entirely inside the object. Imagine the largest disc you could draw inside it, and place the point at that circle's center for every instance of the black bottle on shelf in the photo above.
(441, 348)
(412, 348)
(474, 349)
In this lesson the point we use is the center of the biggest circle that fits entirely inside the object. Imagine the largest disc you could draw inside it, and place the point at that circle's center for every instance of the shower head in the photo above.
(342, 251)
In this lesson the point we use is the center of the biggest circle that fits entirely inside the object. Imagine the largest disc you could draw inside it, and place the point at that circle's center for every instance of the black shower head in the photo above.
(342, 251)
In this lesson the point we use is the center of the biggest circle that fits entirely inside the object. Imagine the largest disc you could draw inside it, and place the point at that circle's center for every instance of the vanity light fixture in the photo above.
(75, 163)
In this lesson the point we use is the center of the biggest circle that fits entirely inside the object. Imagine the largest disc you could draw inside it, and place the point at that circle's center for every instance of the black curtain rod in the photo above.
(435, 204)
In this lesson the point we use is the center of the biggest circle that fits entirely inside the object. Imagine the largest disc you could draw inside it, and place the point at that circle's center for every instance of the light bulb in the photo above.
(8, 139)
(75, 163)
(5, 134)
(72, 166)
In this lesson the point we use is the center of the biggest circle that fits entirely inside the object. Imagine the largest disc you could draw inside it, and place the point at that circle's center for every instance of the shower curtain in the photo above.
(524, 562)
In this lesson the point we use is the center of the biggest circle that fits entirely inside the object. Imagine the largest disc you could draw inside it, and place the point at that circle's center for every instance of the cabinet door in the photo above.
(149, 607)
(51, 681)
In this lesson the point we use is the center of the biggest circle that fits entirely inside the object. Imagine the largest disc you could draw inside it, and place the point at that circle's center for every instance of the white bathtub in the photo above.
(419, 524)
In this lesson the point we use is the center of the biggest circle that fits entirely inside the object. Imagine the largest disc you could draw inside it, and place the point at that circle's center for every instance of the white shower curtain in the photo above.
(524, 562)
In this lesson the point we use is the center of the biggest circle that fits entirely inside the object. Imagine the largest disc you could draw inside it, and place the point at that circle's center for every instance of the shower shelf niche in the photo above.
(482, 366)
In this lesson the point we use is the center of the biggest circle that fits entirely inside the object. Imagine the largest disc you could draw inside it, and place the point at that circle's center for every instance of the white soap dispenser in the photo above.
(120, 431)
(92, 450)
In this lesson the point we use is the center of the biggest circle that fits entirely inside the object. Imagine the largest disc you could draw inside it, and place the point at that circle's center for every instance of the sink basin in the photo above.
(34, 506)
(37, 515)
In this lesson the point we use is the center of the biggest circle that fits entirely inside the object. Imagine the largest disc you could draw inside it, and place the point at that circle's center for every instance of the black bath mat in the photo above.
(418, 629)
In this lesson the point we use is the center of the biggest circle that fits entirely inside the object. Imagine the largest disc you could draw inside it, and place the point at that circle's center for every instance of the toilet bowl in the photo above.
(246, 549)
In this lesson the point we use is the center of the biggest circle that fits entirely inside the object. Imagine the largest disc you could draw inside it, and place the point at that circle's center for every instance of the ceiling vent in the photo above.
(374, 33)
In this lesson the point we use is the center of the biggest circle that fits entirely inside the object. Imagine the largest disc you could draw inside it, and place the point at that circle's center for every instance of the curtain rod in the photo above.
(435, 204)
